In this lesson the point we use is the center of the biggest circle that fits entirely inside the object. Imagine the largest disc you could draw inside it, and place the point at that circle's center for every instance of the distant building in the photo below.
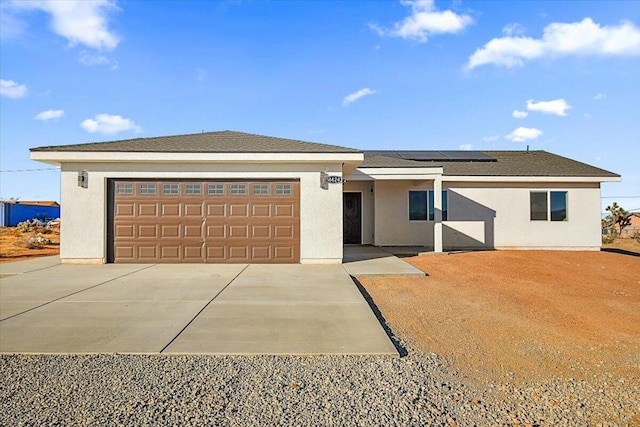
(13, 212)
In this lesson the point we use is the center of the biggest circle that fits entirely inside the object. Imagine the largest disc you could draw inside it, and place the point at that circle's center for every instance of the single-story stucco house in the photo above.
(237, 197)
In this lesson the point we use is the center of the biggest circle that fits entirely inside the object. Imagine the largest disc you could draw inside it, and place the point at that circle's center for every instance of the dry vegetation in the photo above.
(17, 245)
(521, 315)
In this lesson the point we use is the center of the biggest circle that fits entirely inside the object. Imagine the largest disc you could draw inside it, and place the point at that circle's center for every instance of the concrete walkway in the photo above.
(374, 261)
(46, 307)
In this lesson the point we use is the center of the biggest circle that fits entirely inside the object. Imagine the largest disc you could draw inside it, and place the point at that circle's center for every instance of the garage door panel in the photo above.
(192, 210)
(238, 231)
(238, 253)
(171, 210)
(124, 231)
(216, 231)
(261, 253)
(283, 231)
(238, 210)
(125, 252)
(216, 209)
(215, 253)
(192, 253)
(170, 252)
(170, 231)
(148, 253)
(221, 225)
(125, 209)
(148, 210)
(148, 231)
(282, 210)
(283, 253)
(260, 231)
(261, 210)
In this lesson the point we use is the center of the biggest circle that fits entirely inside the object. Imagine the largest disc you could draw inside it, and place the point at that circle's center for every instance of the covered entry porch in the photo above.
(376, 207)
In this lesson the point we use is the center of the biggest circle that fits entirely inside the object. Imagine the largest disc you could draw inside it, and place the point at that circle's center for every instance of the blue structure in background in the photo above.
(11, 213)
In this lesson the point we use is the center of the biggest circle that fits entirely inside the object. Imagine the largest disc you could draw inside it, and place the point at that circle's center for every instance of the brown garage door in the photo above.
(204, 221)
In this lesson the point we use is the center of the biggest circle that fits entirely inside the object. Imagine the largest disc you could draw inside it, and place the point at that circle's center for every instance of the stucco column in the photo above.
(437, 214)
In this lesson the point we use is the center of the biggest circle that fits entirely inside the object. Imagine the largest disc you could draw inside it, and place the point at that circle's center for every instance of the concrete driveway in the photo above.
(47, 307)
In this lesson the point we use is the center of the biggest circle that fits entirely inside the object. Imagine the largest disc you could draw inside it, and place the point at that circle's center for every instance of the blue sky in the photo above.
(558, 76)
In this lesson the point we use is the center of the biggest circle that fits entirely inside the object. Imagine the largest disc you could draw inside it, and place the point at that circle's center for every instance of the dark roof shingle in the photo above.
(507, 163)
(207, 142)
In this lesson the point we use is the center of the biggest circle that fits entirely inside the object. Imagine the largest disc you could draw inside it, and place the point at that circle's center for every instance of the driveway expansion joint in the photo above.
(203, 308)
(73, 293)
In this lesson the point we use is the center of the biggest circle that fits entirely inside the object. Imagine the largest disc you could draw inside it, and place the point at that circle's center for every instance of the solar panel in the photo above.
(434, 156)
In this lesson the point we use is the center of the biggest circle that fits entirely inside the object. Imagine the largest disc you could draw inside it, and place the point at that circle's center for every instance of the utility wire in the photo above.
(30, 170)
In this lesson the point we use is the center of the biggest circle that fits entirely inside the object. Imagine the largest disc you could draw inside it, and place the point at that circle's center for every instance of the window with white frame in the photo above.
(148, 189)
(422, 205)
(124, 188)
(283, 189)
(548, 206)
(193, 189)
(238, 189)
(260, 189)
(171, 189)
(216, 189)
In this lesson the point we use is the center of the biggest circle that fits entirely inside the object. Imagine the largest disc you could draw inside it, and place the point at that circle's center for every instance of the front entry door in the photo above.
(352, 218)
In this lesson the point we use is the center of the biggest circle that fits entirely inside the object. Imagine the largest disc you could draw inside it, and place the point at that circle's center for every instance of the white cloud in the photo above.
(522, 134)
(79, 21)
(108, 123)
(491, 138)
(49, 114)
(558, 107)
(560, 39)
(97, 60)
(599, 96)
(519, 114)
(513, 29)
(11, 89)
(353, 97)
(466, 147)
(424, 21)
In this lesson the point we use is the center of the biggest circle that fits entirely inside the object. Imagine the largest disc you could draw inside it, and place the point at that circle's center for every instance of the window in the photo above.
(238, 189)
(558, 205)
(283, 189)
(431, 206)
(260, 189)
(422, 206)
(171, 189)
(216, 189)
(193, 189)
(148, 189)
(417, 205)
(545, 205)
(124, 188)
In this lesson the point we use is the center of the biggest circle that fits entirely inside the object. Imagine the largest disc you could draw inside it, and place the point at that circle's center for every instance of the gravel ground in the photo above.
(418, 389)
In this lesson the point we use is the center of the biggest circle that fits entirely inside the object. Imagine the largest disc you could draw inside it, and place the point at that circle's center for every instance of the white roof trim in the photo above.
(57, 157)
(368, 174)
(477, 178)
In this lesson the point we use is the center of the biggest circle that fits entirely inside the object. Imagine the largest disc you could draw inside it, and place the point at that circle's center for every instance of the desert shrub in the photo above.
(608, 238)
(36, 242)
(24, 227)
(636, 236)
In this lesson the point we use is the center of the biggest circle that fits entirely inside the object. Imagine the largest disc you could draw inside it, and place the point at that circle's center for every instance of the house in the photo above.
(633, 227)
(13, 212)
(237, 197)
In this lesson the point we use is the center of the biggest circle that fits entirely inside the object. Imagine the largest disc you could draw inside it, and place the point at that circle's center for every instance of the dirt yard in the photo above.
(630, 245)
(520, 315)
(14, 245)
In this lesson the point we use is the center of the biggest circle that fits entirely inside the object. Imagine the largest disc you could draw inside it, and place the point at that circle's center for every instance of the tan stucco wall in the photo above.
(364, 187)
(84, 211)
(489, 215)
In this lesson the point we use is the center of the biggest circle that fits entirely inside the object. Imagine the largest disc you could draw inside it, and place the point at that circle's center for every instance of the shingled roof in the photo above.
(504, 163)
(206, 142)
